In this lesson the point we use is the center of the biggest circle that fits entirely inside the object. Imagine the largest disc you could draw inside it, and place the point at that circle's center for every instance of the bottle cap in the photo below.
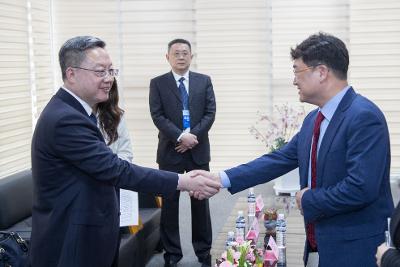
(251, 190)
(240, 212)
(231, 234)
(281, 216)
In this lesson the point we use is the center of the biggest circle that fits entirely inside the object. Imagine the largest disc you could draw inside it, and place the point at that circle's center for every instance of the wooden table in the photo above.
(295, 235)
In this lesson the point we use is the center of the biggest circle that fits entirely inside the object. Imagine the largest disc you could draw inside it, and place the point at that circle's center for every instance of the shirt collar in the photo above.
(177, 76)
(330, 107)
(85, 105)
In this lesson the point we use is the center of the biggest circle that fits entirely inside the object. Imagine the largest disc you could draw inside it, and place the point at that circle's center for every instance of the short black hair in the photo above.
(73, 51)
(326, 49)
(179, 41)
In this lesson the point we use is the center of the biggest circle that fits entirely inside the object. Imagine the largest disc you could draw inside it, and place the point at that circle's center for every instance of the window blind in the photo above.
(92, 17)
(292, 22)
(15, 101)
(243, 45)
(374, 31)
(147, 27)
(42, 57)
(233, 47)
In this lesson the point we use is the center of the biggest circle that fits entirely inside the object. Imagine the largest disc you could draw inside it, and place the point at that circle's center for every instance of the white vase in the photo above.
(288, 183)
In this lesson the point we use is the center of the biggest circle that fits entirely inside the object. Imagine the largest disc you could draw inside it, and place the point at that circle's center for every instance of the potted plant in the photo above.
(275, 131)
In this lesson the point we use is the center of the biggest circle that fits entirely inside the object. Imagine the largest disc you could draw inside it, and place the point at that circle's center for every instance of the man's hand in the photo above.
(200, 183)
(181, 148)
(379, 253)
(299, 196)
(187, 141)
(209, 175)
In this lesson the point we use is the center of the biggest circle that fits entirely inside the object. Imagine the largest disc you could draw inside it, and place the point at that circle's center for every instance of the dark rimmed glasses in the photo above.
(102, 73)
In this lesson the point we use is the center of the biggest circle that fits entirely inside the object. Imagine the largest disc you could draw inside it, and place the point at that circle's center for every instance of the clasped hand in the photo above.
(199, 183)
(187, 141)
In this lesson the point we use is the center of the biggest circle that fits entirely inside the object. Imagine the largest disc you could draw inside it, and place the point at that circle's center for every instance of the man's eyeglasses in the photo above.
(296, 71)
(102, 73)
(179, 54)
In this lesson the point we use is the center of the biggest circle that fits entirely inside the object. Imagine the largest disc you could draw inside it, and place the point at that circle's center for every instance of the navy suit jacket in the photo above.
(75, 217)
(166, 111)
(352, 199)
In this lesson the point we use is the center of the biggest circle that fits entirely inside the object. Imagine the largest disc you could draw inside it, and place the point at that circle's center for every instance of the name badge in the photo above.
(186, 119)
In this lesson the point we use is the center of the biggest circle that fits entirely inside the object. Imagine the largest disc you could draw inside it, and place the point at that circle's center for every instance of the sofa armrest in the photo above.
(136, 250)
(16, 196)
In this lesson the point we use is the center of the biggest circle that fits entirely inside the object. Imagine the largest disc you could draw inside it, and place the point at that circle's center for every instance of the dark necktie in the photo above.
(93, 118)
(314, 148)
(184, 94)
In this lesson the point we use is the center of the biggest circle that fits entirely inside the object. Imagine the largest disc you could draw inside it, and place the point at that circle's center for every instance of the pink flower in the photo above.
(251, 257)
(224, 255)
(236, 255)
(226, 264)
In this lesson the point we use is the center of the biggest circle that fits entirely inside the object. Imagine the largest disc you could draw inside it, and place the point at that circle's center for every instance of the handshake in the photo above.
(200, 184)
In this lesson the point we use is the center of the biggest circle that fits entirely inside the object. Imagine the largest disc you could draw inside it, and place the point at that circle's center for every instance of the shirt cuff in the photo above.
(226, 183)
(180, 136)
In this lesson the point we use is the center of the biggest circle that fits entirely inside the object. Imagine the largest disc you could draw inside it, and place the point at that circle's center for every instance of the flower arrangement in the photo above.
(280, 126)
(241, 254)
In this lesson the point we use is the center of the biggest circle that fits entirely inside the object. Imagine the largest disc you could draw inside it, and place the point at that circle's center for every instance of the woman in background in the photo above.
(113, 126)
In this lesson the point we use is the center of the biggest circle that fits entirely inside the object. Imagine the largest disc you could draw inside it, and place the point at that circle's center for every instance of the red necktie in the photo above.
(316, 132)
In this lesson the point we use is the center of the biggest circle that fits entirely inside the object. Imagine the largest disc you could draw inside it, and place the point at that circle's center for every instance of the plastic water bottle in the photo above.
(230, 239)
(281, 230)
(387, 235)
(281, 239)
(251, 202)
(281, 256)
(240, 226)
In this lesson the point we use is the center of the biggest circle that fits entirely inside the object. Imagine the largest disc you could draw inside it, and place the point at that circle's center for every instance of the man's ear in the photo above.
(323, 72)
(70, 75)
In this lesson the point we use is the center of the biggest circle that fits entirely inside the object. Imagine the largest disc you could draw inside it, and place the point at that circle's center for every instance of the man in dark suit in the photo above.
(182, 106)
(343, 154)
(75, 217)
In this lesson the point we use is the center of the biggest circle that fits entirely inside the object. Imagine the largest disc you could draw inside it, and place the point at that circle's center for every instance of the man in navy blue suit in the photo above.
(75, 217)
(343, 154)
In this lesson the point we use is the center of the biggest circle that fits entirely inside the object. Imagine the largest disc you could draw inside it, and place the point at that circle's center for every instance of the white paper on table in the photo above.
(129, 208)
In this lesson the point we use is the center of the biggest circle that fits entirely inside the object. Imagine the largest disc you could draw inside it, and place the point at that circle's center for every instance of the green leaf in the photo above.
(278, 143)
(229, 255)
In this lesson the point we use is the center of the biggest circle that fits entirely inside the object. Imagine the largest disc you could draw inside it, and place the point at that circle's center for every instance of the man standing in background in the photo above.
(182, 106)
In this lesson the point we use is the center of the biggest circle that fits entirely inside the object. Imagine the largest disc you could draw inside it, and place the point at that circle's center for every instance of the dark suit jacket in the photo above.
(166, 111)
(353, 198)
(75, 218)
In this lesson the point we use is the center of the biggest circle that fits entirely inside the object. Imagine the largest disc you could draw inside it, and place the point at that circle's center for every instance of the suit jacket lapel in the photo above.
(194, 84)
(306, 147)
(171, 84)
(70, 100)
(330, 133)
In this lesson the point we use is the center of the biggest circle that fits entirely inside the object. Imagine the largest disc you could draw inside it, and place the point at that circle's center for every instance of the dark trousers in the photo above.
(201, 220)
